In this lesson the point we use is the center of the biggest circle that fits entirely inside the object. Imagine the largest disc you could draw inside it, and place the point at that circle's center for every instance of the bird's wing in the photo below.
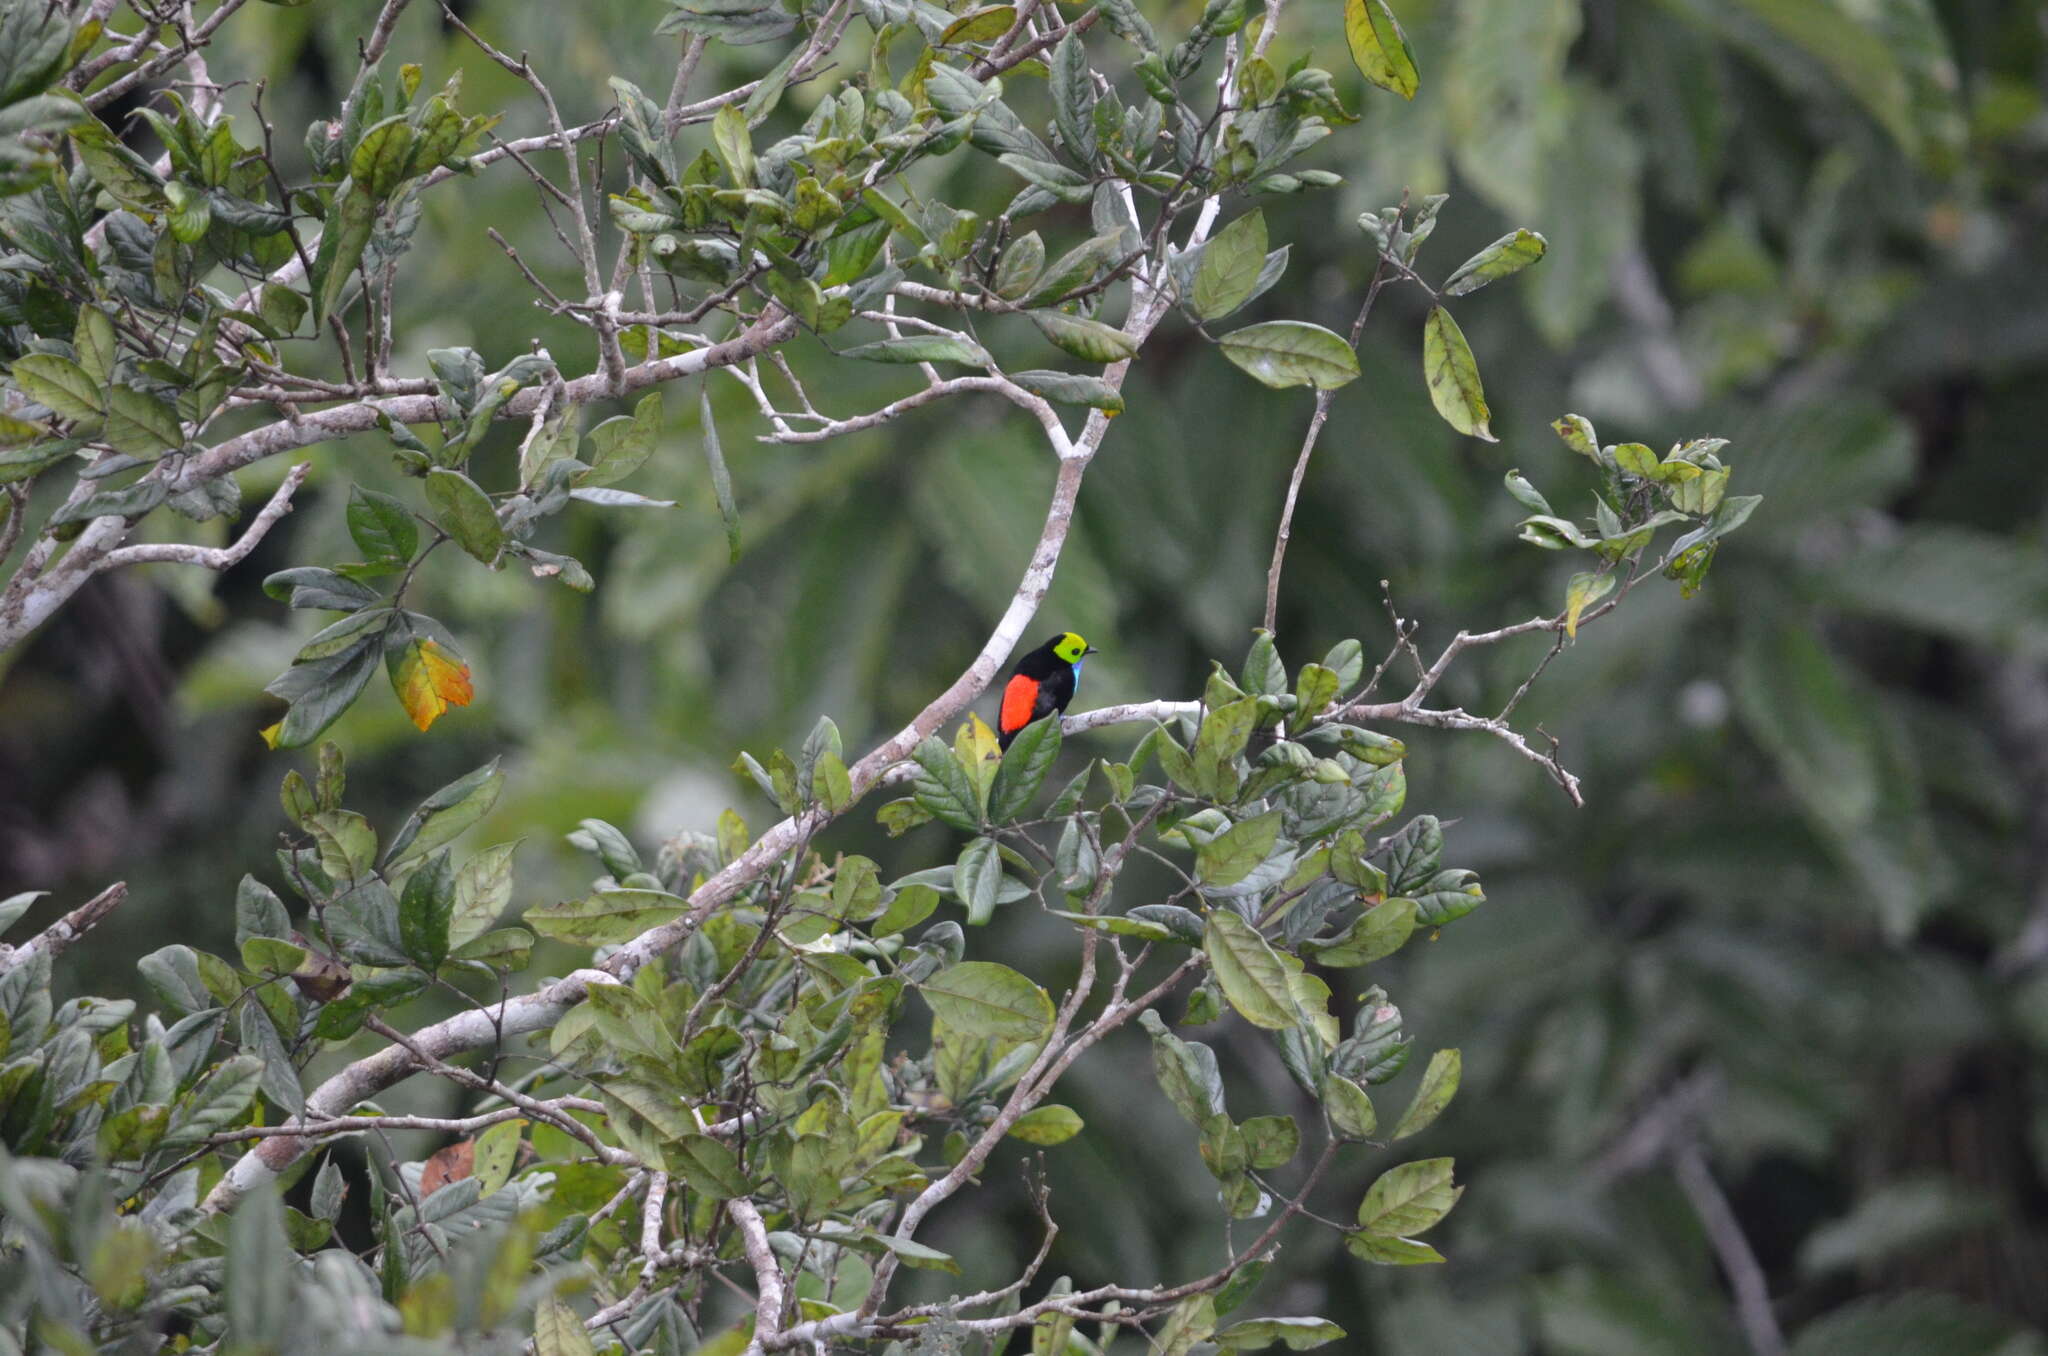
(1021, 701)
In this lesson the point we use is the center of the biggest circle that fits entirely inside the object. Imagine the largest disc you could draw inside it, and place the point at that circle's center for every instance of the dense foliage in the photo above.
(783, 1049)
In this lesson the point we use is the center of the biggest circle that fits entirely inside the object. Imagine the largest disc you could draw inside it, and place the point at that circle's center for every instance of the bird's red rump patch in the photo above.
(1018, 699)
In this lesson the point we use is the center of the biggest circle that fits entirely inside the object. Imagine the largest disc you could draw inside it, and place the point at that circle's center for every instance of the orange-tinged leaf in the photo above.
(429, 680)
(451, 1164)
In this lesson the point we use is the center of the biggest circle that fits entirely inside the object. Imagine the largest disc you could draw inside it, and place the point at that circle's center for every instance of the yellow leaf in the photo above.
(1583, 591)
(270, 733)
(983, 739)
(429, 680)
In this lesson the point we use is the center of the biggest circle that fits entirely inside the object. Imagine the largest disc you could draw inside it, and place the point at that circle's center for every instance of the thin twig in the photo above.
(1731, 1246)
(1324, 398)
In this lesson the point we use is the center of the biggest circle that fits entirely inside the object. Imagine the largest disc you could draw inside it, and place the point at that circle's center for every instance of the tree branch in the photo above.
(767, 1275)
(1738, 1260)
(29, 600)
(59, 936)
(215, 557)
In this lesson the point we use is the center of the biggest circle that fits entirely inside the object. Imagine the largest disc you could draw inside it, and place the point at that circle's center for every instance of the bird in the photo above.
(1043, 682)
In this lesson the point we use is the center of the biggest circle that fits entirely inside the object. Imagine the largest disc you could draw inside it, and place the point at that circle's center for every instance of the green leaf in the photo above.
(446, 813)
(1510, 254)
(735, 144)
(1299, 1334)
(1186, 1070)
(943, 787)
(1220, 740)
(911, 1252)
(425, 908)
(1315, 687)
(505, 948)
(382, 156)
(899, 221)
(130, 501)
(34, 43)
(350, 221)
(979, 25)
(1392, 1252)
(996, 129)
(320, 691)
(1047, 1125)
(269, 956)
(1453, 377)
(978, 879)
(1377, 933)
(1019, 269)
(1897, 1218)
(25, 463)
(768, 94)
(1379, 47)
(95, 344)
(605, 917)
(1235, 853)
(1065, 184)
(911, 906)
(721, 479)
(60, 384)
(141, 424)
(1231, 264)
(1409, 1199)
(557, 1331)
(464, 512)
(1084, 338)
(982, 998)
(1071, 388)
(1439, 1085)
(1073, 95)
(922, 348)
(1525, 494)
(1077, 268)
(623, 443)
(709, 1166)
(1349, 1108)
(347, 843)
(281, 308)
(1283, 353)
(1023, 769)
(1249, 971)
(219, 1101)
(380, 526)
(14, 906)
(1193, 1320)
(831, 783)
(1271, 1140)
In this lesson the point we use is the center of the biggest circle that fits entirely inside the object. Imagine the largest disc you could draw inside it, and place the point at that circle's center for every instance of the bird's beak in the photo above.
(1090, 650)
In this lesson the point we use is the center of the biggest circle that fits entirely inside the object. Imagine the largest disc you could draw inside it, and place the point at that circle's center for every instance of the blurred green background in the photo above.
(1803, 917)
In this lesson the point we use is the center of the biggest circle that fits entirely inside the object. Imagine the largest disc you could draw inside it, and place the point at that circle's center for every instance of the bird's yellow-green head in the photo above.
(1070, 647)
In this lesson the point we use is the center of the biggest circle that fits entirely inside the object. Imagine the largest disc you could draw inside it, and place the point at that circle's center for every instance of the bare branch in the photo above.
(1325, 397)
(380, 31)
(1738, 1259)
(767, 1275)
(650, 1225)
(216, 557)
(32, 596)
(59, 936)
